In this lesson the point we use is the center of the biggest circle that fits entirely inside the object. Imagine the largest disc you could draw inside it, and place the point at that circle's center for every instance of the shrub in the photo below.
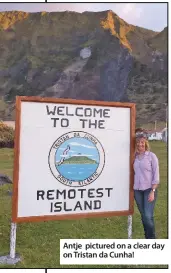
(6, 136)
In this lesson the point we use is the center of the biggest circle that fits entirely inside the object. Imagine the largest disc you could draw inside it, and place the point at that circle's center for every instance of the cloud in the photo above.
(82, 145)
(130, 12)
(83, 155)
(70, 151)
(50, 7)
(64, 156)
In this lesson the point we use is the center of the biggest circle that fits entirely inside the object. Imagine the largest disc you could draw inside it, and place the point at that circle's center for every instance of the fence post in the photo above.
(129, 226)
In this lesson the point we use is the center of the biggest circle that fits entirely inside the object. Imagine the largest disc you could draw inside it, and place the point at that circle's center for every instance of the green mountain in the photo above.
(79, 160)
(89, 55)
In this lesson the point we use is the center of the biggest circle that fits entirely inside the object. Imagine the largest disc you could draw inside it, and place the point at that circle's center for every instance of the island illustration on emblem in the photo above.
(78, 159)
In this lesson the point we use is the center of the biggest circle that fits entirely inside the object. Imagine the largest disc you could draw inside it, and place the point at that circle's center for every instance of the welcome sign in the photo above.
(73, 159)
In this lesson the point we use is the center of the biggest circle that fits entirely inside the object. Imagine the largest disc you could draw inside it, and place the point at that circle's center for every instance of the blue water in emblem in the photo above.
(77, 172)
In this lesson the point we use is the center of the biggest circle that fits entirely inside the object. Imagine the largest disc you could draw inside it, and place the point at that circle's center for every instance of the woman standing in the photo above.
(146, 180)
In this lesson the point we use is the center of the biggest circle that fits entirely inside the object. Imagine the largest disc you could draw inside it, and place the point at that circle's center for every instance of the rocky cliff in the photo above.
(93, 55)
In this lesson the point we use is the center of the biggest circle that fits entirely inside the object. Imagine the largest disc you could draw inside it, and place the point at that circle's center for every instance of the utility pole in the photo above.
(166, 133)
(166, 114)
(155, 125)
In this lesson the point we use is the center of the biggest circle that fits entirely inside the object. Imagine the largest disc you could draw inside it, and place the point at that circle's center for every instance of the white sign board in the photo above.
(72, 159)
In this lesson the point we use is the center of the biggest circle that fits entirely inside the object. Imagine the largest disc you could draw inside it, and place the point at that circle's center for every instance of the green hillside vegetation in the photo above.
(6, 136)
(158, 42)
(79, 160)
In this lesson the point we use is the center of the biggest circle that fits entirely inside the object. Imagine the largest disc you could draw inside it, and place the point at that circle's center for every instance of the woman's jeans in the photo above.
(146, 209)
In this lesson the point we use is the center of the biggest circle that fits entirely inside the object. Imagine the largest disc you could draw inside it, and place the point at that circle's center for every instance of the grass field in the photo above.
(38, 243)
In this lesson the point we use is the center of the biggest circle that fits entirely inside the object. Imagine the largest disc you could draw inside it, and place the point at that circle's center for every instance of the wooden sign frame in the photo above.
(19, 100)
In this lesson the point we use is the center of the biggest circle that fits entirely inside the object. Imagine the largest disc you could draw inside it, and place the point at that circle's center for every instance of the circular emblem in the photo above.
(76, 159)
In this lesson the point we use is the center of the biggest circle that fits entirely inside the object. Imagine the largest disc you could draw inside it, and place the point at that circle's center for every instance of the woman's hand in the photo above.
(151, 196)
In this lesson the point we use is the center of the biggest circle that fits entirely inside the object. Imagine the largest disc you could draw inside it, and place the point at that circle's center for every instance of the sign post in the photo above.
(130, 227)
(13, 240)
(73, 159)
(12, 258)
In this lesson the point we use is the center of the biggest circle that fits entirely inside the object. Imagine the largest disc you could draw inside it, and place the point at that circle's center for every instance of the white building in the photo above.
(164, 134)
(155, 136)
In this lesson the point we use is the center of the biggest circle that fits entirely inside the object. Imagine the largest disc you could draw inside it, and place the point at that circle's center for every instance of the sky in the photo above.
(78, 146)
(148, 15)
